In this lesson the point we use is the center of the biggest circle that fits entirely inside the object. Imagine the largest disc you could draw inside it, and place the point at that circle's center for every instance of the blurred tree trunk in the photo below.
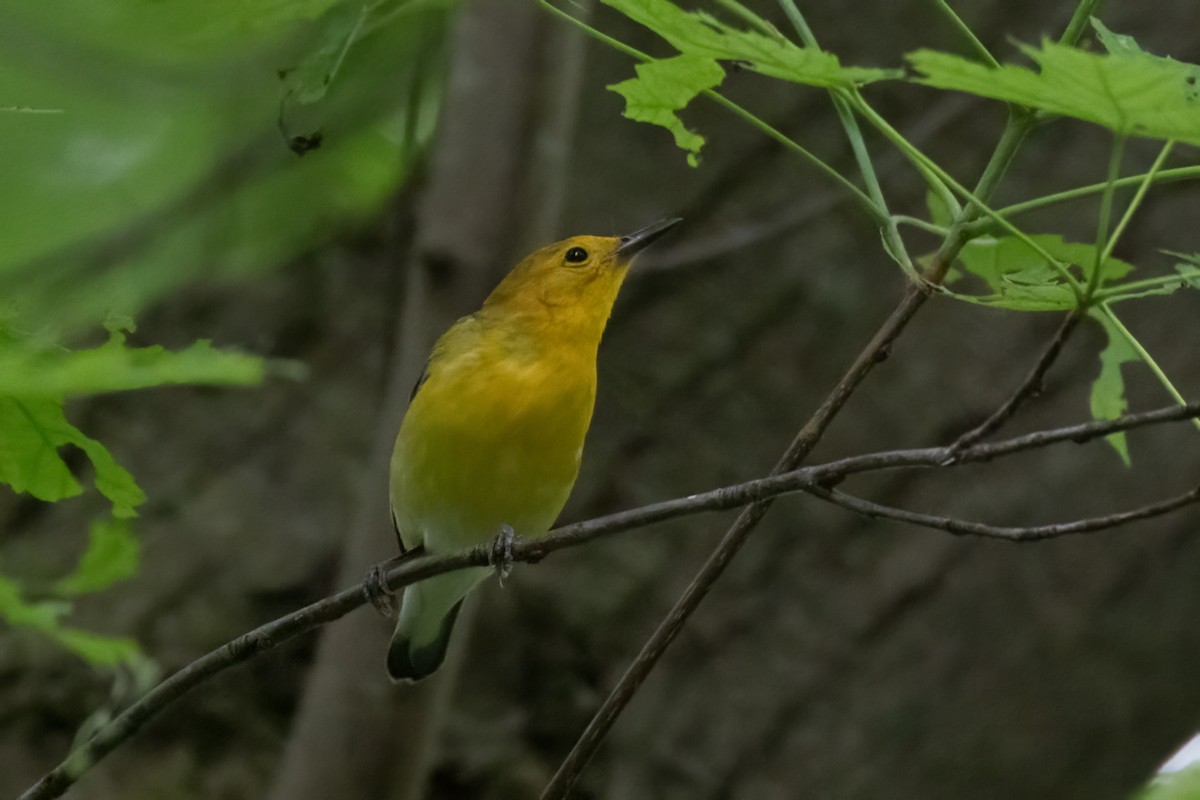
(355, 735)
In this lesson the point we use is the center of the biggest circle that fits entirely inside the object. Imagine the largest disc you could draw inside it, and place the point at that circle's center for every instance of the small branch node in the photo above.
(500, 556)
(928, 287)
(375, 589)
(830, 481)
(953, 454)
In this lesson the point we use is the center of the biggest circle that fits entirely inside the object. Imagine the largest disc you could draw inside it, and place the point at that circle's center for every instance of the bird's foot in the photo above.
(500, 557)
(378, 594)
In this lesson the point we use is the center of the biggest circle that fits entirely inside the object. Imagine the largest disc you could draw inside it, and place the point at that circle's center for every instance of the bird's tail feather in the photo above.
(427, 617)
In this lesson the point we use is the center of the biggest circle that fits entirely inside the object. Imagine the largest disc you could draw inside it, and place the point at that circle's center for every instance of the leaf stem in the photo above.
(1162, 176)
(805, 155)
(858, 194)
(595, 33)
(1145, 356)
(792, 12)
(764, 27)
(891, 233)
(1017, 117)
(1115, 292)
(1143, 187)
(923, 224)
(1114, 171)
(1079, 22)
(966, 31)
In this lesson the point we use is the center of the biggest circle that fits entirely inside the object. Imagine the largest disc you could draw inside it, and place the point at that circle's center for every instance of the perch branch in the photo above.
(961, 527)
(814, 479)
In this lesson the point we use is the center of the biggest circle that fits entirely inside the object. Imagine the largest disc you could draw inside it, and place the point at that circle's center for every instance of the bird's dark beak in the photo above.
(636, 242)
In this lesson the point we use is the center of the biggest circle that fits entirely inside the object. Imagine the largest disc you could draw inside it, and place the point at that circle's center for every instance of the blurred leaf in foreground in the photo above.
(27, 369)
(112, 555)
(32, 430)
(167, 165)
(45, 616)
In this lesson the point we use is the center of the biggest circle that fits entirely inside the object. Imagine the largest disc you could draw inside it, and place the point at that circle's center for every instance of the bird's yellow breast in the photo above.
(493, 437)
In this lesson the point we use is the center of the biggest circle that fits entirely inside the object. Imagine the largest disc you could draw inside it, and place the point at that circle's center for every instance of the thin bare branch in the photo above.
(961, 527)
(1032, 385)
(1084, 432)
(401, 572)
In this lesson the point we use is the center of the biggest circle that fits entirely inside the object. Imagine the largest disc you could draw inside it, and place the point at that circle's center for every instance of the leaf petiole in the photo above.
(1162, 176)
(891, 234)
(1143, 187)
(1117, 292)
(917, 156)
(1114, 170)
(805, 155)
(967, 33)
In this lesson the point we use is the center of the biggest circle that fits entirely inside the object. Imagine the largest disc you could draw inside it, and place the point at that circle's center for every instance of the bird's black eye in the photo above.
(576, 255)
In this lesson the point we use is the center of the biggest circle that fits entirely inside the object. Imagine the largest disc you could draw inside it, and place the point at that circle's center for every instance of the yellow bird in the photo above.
(492, 439)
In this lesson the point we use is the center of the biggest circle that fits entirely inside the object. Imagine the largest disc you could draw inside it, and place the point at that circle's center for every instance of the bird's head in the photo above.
(573, 282)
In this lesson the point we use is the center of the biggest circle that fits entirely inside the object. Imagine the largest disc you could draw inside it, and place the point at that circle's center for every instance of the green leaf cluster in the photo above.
(35, 379)
(1125, 89)
(1020, 277)
(664, 87)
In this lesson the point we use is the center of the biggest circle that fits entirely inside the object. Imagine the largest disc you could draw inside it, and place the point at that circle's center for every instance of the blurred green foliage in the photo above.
(166, 163)
(112, 555)
(148, 146)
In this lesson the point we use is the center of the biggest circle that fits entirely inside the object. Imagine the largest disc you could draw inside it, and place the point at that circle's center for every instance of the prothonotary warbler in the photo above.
(493, 437)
